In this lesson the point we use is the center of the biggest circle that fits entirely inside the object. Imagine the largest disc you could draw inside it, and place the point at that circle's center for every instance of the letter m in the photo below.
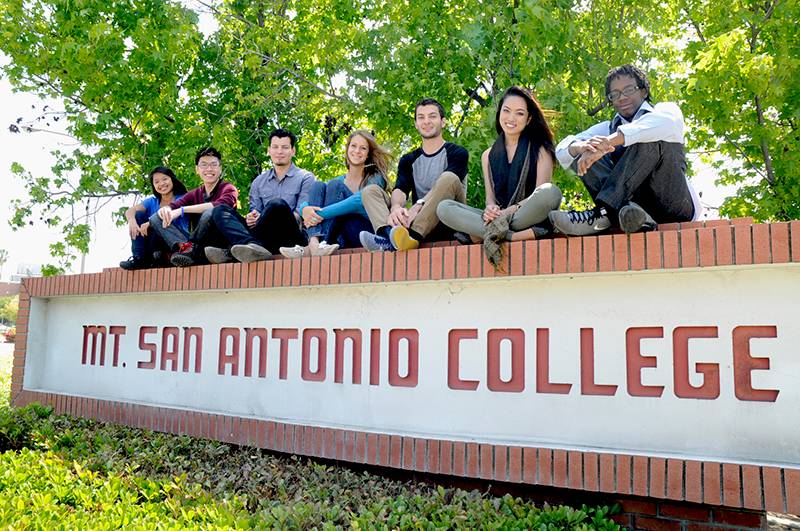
(97, 334)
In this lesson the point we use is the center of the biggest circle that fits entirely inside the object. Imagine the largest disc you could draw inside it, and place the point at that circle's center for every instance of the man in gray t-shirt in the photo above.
(430, 174)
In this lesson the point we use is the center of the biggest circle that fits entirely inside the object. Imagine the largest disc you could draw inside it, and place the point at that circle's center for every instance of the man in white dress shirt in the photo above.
(633, 165)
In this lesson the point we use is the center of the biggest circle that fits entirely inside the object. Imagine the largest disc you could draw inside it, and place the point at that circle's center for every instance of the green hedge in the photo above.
(115, 472)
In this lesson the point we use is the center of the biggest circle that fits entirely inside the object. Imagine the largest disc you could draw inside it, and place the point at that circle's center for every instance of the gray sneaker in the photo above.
(374, 243)
(580, 222)
(218, 255)
(633, 218)
(250, 252)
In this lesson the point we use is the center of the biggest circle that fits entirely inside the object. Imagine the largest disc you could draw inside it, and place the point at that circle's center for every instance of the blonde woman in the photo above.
(334, 215)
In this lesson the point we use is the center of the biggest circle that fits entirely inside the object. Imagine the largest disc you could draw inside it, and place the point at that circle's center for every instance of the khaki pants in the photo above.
(377, 202)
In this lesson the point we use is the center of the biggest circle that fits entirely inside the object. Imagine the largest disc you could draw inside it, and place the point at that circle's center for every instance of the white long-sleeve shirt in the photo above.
(662, 122)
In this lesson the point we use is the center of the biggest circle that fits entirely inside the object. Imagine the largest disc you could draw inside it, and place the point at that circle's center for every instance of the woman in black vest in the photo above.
(517, 170)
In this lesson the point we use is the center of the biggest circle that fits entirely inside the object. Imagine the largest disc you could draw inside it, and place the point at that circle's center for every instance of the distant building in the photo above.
(8, 289)
(26, 270)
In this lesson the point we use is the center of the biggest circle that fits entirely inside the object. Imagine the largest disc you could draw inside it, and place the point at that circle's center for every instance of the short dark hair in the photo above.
(178, 188)
(632, 71)
(207, 152)
(283, 133)
(429, 101)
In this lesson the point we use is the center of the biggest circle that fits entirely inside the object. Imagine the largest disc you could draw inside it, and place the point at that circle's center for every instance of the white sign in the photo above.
(690, 364)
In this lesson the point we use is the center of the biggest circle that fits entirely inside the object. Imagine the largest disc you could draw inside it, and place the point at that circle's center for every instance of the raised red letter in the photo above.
(197, 334)
(636, 362)
(116, 331)
(224, 357)
(543, 383)
(516, 383)
(744, 363)
(250, 335)
(412, 339)
(680, 356)
(322, 353)
(354, 335)
(284, 335)
(150, 347)
(453, 358)
(167, 354)
(588, 387)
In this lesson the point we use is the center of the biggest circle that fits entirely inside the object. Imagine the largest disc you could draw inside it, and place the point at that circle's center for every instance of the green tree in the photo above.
(743, 91)
(142, 86)
(9, 307)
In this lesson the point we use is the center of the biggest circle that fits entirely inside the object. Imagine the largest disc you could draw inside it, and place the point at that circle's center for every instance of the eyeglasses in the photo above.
(630, 90)
(204, 165)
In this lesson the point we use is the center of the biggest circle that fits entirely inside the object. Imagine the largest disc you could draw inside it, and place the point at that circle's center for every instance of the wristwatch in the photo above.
(420, 202)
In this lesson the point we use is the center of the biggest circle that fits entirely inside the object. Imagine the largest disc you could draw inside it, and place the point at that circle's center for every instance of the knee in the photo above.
(318, 188)
(551, 195)
(449, 179)
(276, 204)
(372, 191)
(141, 217)
(154, 220)
(217, 212)
(444, 209)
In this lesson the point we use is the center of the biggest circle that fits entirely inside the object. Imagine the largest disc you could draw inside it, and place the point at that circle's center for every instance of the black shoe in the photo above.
(185, 255)
(134, 262)
(463, 238)
(633, 218)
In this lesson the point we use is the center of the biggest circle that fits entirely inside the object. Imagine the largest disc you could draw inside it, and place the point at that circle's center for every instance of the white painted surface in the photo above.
(725, 428)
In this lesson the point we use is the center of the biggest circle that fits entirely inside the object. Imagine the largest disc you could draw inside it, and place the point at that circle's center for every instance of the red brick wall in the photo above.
(656, 493)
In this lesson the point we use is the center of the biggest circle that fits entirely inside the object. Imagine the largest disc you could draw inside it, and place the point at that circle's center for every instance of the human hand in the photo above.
(133, 229)
(490, 213)
(398, 216)
(310, 216)
(166, 216)
(600, 143)
(252, 218)
(587, 159)
(143, 228)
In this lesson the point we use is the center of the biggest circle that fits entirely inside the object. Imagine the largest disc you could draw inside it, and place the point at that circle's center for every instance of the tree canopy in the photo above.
(142, 86)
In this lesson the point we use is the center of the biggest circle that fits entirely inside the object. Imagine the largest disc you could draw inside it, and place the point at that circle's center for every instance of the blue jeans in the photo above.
(144, 246)
(343, 230)
(173, 235)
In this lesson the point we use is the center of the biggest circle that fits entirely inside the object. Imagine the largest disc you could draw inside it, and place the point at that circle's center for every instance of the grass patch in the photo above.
(115, 472)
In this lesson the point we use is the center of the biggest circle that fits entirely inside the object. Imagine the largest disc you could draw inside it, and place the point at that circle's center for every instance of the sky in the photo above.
(110, 244)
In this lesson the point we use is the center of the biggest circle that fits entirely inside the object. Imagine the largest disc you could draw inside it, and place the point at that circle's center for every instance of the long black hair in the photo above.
(537, 130)
(178, 188)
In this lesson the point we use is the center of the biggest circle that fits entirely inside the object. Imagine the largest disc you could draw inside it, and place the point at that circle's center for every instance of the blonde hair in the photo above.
(378, 158)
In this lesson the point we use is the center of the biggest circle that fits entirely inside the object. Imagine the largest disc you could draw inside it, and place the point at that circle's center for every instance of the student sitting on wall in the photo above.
(435, 171)
(334, 215)
(187, 248)
(634, 165)
(166, 189)
(517, 170)
(274, 217)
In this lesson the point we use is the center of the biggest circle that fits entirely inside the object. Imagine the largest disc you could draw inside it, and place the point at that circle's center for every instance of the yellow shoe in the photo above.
(401, 239)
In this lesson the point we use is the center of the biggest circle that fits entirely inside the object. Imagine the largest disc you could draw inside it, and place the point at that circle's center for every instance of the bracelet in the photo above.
(181, 211)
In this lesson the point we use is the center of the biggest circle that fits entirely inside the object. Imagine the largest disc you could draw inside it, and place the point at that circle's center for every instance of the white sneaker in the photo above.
(324, 249)
(298, 251)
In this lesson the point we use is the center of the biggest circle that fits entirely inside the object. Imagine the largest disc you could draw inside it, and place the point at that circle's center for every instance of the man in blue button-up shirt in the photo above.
(273, 220)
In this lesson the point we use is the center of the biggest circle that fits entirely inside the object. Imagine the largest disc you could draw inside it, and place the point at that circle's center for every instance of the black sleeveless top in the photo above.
(506, 176)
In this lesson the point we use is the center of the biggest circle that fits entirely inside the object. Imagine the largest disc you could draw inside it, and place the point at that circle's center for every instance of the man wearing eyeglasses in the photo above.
(187, 248)
(633, 165)
(273, 220)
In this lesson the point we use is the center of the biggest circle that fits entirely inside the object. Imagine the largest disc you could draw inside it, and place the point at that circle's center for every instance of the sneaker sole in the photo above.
(631, 219)
(401, 240)
(181, 261)
(218, 257)
(327, 251)
(246, 255)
